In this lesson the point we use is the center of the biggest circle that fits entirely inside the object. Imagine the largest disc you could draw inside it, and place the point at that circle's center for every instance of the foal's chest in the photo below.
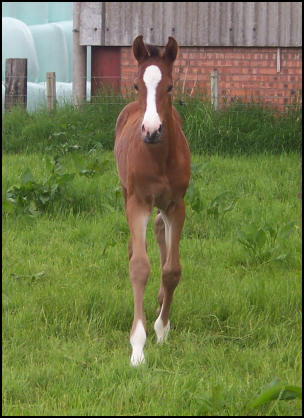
(156, 178)
(157, 191)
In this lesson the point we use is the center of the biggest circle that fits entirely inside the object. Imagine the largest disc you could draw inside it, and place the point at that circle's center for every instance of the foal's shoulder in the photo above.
(124, 115)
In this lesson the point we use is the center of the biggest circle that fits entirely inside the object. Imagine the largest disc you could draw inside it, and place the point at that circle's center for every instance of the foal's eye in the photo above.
(136, 86)
(169, 88)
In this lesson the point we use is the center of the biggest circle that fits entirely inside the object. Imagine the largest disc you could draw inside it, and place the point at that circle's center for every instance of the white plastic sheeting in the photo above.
(37, 13)
(53, 52)
(18, 42)
(42, 33)
(36, 95)
(29, 12)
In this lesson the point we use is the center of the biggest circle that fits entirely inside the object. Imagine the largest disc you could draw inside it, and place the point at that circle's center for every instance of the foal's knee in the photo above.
(139, 269)
(130, 249)
(171, 276)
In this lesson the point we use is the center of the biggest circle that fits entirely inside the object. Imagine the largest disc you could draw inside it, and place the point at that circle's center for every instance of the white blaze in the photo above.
(152, 77)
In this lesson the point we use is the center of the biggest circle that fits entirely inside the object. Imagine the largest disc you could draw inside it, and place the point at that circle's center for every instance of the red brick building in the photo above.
(256, 48)
(246, 73)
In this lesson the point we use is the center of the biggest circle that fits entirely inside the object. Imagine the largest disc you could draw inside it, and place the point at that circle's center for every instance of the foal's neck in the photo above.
(165, 149)
(169, 134)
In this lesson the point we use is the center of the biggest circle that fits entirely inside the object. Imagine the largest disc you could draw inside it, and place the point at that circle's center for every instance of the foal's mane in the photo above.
(153, 50)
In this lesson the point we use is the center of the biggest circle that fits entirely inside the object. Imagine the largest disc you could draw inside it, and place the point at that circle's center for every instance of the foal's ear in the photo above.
(139, 50)
(171, 50)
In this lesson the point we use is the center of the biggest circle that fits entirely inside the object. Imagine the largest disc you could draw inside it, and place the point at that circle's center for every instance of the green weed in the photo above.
(264, 244)
(275, 391)
(32, 196)
(222, 204)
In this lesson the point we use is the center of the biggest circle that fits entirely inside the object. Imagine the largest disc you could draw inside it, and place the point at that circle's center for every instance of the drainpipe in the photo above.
(79, 60)
(278, 60)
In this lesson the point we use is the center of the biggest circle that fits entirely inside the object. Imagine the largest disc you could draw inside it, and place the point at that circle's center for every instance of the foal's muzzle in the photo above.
(151, 138)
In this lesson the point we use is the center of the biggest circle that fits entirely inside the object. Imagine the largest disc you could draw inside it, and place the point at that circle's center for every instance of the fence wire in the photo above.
(116, 90)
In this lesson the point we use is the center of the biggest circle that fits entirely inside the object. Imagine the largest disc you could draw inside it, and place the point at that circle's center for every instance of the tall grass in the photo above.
(239, 129)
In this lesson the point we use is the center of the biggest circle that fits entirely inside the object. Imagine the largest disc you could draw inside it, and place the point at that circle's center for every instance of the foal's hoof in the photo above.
(137, 358)
(137, 340)
(161, 330)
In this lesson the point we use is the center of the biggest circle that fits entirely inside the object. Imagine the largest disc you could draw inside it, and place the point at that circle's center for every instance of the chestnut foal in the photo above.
(153, 162)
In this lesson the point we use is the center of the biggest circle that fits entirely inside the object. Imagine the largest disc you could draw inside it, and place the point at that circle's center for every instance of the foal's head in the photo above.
(154, 85)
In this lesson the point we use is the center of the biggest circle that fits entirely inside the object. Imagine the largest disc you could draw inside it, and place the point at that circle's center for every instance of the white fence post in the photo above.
(214, 89)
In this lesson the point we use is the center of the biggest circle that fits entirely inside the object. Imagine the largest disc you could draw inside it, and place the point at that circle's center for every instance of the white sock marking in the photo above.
(161, 330)
(137, 340)
(152, 77)
(167, 231)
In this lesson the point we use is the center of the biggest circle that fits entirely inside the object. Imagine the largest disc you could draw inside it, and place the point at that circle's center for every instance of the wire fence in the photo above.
(115, 90)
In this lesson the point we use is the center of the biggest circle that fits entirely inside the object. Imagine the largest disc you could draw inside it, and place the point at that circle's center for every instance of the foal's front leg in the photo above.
(139, 267)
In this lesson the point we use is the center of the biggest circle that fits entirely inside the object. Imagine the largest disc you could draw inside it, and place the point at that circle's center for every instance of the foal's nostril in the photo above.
(151, 136)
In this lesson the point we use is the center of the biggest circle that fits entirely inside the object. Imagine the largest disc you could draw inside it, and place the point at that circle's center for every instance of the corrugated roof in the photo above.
(192, 23)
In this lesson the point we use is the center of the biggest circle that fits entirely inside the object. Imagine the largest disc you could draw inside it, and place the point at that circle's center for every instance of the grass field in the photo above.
(67, 300)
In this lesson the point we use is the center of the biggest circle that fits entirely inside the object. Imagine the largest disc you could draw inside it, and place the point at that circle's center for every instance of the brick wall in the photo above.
(243, 73)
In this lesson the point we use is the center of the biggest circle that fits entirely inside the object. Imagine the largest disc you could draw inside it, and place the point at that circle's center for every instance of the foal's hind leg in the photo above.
(171, 269)
(139, 268)
(159, 229)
